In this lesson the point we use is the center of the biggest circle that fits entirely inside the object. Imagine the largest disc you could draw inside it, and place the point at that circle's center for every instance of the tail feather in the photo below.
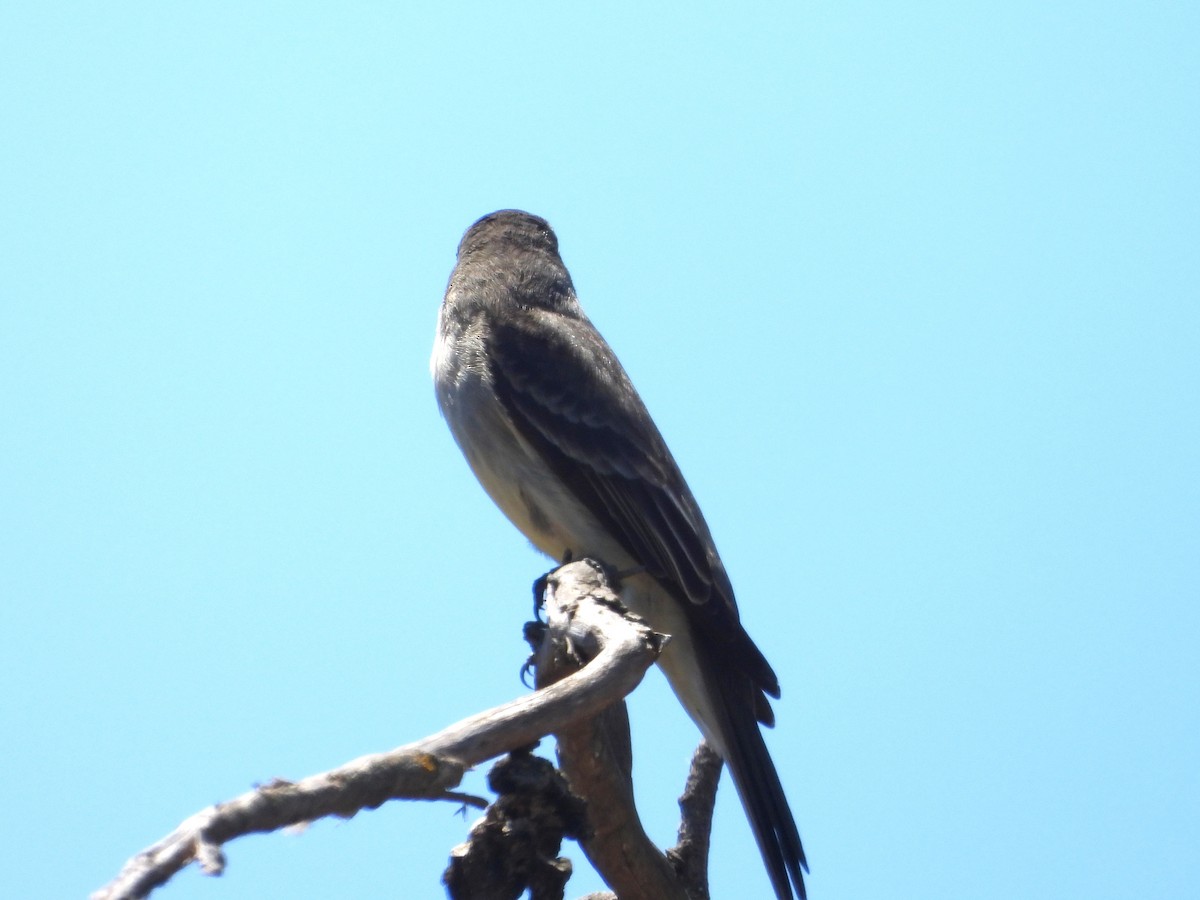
(758, 785)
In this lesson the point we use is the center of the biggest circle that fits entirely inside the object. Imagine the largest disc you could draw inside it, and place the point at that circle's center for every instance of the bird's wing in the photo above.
(568, 395)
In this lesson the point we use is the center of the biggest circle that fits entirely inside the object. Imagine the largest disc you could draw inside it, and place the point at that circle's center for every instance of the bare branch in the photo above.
(690, 855)
(595, 752)
(425, 770)
(364, 783)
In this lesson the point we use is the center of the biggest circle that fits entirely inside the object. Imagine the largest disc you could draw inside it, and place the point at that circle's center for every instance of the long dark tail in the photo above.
(758, 783)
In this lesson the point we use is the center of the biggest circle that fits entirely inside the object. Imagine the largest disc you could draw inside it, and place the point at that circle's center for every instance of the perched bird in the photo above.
(557, 435)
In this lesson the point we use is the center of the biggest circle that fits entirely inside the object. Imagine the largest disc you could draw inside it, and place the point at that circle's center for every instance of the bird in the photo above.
(556, 434)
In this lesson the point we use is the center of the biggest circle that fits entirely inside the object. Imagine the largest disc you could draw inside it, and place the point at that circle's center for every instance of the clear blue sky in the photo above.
(912, 292)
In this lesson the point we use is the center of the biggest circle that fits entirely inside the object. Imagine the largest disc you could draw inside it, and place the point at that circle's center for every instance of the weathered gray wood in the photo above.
(581, 610)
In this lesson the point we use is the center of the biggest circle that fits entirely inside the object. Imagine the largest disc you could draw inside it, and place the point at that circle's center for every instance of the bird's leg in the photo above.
(535, 633)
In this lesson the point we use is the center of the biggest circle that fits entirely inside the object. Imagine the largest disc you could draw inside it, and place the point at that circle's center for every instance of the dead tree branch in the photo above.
(582, 708)
(595, 752)
(690, 856)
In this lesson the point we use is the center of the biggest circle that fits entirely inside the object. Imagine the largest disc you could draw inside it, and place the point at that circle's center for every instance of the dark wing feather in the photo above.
(557, 387)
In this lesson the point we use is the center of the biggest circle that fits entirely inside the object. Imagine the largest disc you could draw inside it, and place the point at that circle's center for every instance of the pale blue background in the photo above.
(911, 289)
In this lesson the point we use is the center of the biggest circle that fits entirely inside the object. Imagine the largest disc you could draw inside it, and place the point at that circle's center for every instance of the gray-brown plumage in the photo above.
(559, 438)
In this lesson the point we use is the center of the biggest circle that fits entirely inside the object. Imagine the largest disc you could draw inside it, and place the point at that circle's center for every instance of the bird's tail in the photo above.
(726, 703)
(740, 742)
